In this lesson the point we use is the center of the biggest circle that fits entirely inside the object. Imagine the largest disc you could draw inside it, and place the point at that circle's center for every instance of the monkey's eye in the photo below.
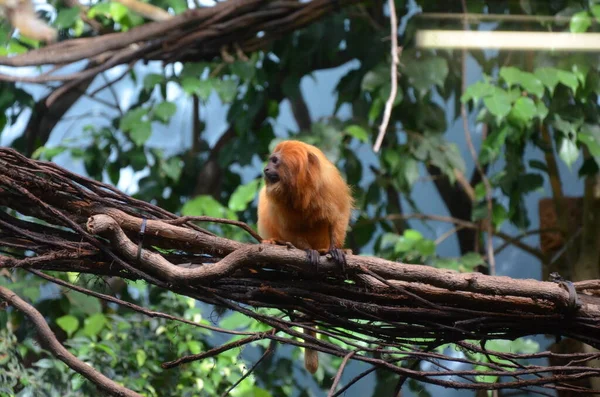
(274, 160)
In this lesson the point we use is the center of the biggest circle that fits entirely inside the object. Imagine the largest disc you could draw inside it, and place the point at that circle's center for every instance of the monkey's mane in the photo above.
(309, 182)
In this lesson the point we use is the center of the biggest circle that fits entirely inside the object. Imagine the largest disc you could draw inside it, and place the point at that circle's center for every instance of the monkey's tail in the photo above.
(311, 357)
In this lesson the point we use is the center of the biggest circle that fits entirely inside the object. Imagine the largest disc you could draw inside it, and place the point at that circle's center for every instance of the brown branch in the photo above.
(132, 306)
(516, 241)
(385, 312)
(195, 35)
(242, 225)
(48, 340)
(247, 254)
(215, 351)
(556, 185)
(267, 353)
(338, 376)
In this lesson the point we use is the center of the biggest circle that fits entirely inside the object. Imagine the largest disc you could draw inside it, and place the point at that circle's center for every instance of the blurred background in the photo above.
(496, 108)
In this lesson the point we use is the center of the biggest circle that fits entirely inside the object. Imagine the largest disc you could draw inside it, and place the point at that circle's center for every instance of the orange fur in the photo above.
(308, 204)
(310, 198)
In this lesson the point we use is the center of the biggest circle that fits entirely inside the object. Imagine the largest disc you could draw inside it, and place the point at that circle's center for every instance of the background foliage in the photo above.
(533, 110)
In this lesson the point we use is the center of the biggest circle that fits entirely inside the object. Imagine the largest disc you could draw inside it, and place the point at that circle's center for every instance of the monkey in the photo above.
(22, 16)
(305, 202)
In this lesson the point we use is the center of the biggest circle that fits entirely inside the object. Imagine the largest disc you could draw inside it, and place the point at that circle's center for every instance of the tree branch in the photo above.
(48, 339)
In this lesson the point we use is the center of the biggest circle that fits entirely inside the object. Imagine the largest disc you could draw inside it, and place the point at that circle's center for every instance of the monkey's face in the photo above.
(272, 170)
(290, 167)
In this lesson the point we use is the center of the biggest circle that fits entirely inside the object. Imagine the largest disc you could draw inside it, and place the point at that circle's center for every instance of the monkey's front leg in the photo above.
(278, 242)
(337, 254)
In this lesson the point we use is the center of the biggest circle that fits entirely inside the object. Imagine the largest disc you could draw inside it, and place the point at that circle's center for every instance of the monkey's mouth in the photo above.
(271, 177)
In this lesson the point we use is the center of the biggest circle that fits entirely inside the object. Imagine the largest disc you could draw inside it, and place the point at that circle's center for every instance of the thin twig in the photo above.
(132, 306)
(217, 350)
(488, 187)
(463, 223)
(395, 51)
(447, 234)
(256, 364)
(338, 376)
(242, 225)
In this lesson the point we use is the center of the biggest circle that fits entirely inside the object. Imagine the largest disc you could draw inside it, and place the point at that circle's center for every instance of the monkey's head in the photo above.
(292, 165)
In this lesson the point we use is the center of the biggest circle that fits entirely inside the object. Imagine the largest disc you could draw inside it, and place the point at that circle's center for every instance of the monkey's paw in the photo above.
(278, 242)
(339, 257)
(313, 258)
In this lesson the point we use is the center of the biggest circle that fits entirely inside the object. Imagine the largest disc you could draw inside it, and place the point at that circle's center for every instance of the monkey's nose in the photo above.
(271, 176)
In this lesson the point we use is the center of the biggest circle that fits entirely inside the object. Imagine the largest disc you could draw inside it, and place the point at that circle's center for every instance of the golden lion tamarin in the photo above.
(305, 202)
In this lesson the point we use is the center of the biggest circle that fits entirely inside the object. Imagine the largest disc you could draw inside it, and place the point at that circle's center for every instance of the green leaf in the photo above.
(589, 135)
(47, 153)
(493, 144)
(243, 195)
(412, 234)
(595, 9)
(526, 80)
(99, 9)
(205, 205)
(530, 182)
(423, 73)
(408, 170)
(524, 110)
(549, 77)
(499, 104)
(140, 356)
(244, 70)
(194, 346)
(67, 17)
(356, 131)
(132, 118)
(194, 85)
(94, 324)
(45, 363)
(108, 350)
(389, 240)
(172, 168)
(235, 321)
(541, 110)
(141, 132)
(153, 79)
(539, 165)
(499, 214)
(68, 323)
(117, 11)
(164, 111)
(375, 78)
(376, 108)
(227, 90)
(470, 261)
(82, 303)
(477, 91)
(580, 22)
(569, 79)
(566, 127)
(77, 381)
(568, 151)
(425, 247)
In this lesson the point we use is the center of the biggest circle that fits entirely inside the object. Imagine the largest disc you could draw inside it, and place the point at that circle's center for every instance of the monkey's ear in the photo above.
(313, 159)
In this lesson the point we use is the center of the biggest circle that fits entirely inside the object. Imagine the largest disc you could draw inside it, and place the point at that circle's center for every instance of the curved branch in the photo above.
(48, 339)
(195, 35)
(266, 254)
